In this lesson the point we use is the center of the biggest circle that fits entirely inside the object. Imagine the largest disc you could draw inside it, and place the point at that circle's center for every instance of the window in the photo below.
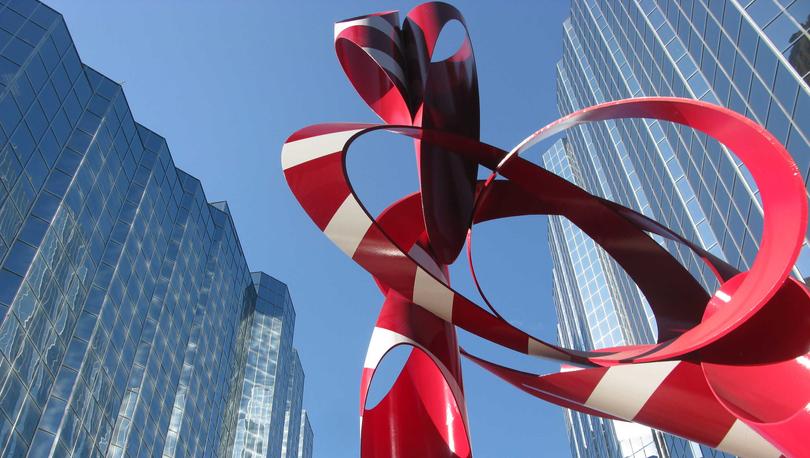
(762, 11)
(5, 37)
(17, 51)
(765, 64)
(53, 414)
(37, 170)
(58, 183)
(9, 114)
(45, 206)
(11, 21)
(19, 258)
(13, 396)
(33, 231)
(49, 54)
(22, 92)
(36, 121)
(22, 142)
(41, 444)
(801, 115)
(698, 84)
(7, 70)
(36, 72)
(778, 123)
(759, 100)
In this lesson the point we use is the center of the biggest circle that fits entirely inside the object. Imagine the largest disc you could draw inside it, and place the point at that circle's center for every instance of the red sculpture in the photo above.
(730, 369)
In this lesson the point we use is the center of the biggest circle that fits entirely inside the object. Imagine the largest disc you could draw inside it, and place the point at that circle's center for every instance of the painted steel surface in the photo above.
(731, 369)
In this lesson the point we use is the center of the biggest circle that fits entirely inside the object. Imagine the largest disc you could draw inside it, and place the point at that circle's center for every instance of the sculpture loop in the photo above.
(730, 369)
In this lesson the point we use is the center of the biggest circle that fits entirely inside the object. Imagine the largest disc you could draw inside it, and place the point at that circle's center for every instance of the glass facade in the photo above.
(273, 381)
(292, 415)
(126, 304)
(588, 295)
(750, 56)
(305, 438)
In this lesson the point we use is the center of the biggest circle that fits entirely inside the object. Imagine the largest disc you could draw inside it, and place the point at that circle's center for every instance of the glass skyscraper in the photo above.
(305, 438)
(127, 309)
(292, 415)
(750, 56)
(273, 382)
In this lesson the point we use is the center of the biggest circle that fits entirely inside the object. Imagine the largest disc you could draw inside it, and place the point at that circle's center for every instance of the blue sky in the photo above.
(227, 82)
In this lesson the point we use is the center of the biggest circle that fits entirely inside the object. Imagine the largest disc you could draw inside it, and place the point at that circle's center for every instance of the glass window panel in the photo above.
(762, 11)
(58, 183)
(69, 162)
(72, 64)
(37, 170)
(89, 122)
(61, 38)
(49, 101)
(27, 422)
(786, 87)
(49, 148)
(44, 16)
(5, 37)
(23, 93)
(49, 54)
(782, 31)
(10, 20)
(79, 141)
(687, 66)
(8, 70)
(36, 121)
(60, 81)
(33, 231)
(24, 7)
(9, 114)
(801, 115)
(31, 32)
(801, 12)
(766, 63)
(748, 40)
(778, 123)
(35, 70)
(41, 444)
(16, 446)
(759, 100)
(83, 91)
(72, 107)
(45, 207)
(17, 51)
(61, 128)
(800, 151)
(13, 396)
(19, 258)
(75, 353)
(698, 84)
(22, 143)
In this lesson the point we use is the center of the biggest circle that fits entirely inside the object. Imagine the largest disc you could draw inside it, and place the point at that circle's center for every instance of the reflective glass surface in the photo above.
(305, 438)
(272, 374)
(127, 309)
(750, 56)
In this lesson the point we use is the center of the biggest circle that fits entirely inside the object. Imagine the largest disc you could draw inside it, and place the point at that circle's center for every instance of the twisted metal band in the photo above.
(730, 369)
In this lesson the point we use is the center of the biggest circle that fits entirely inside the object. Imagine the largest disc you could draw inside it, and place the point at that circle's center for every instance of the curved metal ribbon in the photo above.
(730, 370)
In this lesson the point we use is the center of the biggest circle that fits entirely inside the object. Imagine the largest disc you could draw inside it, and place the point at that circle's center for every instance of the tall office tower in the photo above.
(589, 294)
(597, 307)
(305, 438)
(268, 372)
(125, 300)
(292, 415)
(750, 56)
